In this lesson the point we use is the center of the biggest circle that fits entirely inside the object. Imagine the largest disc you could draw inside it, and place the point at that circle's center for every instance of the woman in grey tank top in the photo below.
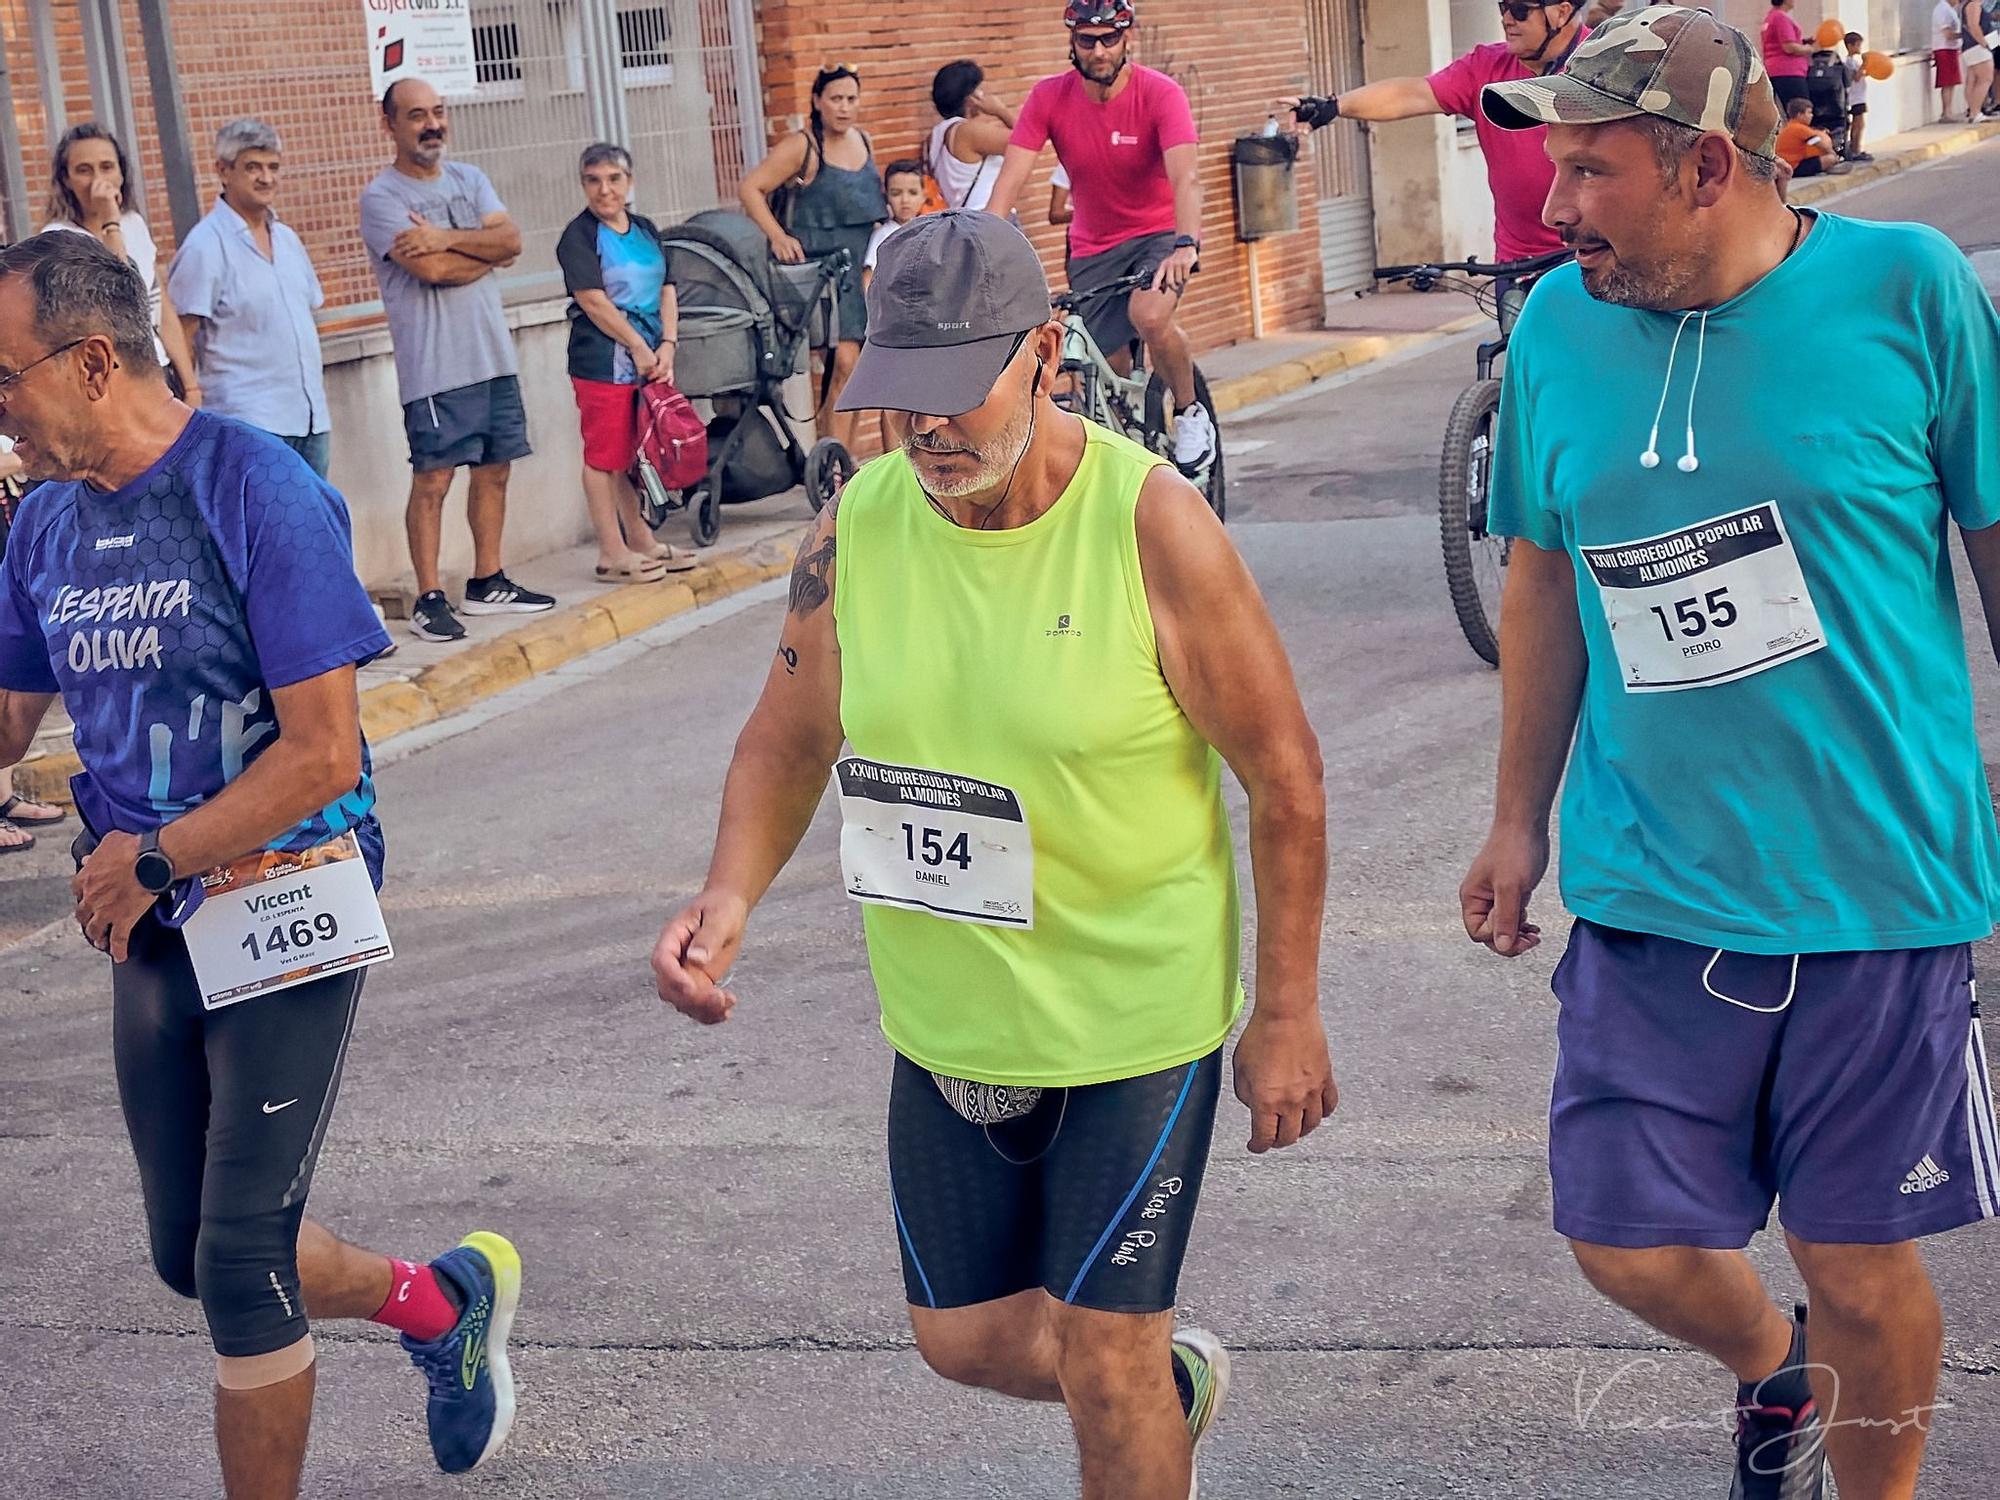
(835, 201)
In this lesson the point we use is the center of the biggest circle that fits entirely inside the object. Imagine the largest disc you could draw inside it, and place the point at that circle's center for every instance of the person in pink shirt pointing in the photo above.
(1126, 135)
(1539, 38)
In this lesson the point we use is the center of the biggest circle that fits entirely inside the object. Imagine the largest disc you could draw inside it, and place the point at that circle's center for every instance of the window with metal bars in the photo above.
(645, 42)
(496, 53)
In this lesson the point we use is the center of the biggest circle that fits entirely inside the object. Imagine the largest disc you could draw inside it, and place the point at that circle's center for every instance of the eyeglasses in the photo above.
(8, 380)
(1090, 41)
(1520, 10)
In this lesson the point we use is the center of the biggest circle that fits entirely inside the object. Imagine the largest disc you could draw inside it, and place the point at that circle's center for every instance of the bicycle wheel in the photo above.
(1475, 564)
(1158, 435)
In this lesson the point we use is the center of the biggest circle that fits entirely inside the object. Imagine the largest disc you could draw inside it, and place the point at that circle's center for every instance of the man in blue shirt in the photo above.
(1737, 629)
(186, 584)
(246, 290)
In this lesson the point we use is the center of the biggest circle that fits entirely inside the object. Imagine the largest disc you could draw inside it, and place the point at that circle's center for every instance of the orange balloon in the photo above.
(1877, 65)
(1830, 34)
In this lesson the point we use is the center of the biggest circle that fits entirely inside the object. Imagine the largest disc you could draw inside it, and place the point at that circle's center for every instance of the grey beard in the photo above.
(1664, 290)
(989, 475)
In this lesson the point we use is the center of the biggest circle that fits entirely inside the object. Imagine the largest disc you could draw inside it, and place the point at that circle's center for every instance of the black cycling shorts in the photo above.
(226, 1110)
(1089, 1197)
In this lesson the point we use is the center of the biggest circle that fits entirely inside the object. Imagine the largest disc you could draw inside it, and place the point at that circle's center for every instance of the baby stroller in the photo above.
(746, 322)
(1826, 85)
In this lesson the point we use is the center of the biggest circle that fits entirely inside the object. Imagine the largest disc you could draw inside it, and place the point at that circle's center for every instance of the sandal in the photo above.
(676, 560)
(27, 840)
(649, 571)
(9, 811)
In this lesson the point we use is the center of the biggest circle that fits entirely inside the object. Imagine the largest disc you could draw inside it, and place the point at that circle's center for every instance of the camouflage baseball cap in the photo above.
(1669, 61)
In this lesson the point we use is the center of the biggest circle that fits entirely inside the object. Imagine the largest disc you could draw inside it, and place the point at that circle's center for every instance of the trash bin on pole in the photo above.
(1267, 192)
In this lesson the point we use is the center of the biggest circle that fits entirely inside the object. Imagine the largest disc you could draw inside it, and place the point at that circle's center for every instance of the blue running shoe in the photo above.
(472, 1390)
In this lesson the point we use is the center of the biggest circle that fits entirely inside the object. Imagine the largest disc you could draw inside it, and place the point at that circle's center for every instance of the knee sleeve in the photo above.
(247, 1273)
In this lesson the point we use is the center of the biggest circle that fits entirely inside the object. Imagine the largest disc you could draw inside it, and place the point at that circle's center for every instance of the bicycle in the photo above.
(1135, 405)
(1475, 562)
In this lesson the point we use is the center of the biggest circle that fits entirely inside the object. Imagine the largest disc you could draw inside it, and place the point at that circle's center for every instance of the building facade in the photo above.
(698, 89)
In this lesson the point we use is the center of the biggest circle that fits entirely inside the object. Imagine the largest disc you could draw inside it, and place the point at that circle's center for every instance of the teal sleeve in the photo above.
(1517, 499)
(1965, 437)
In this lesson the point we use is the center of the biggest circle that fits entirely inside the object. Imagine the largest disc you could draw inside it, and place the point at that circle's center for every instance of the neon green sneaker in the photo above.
(1206, 1364)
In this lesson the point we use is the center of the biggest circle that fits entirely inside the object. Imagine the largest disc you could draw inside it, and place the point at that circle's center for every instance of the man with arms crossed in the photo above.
(1126, 135)
(1035, 640)
(1777, 835)
(187, 584)
(436, 231)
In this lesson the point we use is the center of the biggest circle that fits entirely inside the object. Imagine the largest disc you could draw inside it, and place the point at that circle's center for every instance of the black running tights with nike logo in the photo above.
(226, 1110)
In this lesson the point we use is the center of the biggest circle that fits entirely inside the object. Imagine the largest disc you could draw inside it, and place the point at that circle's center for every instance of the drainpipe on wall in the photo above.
(171, 118)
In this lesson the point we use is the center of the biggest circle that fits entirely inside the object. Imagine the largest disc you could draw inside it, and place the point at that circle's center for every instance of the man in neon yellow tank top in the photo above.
(1038, 647)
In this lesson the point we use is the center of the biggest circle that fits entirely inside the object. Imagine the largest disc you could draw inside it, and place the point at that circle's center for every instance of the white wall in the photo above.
(371, 457)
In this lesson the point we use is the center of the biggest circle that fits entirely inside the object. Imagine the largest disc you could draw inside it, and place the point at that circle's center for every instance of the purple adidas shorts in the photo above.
(1692, 1087)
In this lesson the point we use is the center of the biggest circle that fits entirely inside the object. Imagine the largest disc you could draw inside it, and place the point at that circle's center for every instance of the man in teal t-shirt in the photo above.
(1734, 623)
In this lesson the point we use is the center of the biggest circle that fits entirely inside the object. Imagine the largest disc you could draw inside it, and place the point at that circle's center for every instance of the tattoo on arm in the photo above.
(812, 572)
(791, 660)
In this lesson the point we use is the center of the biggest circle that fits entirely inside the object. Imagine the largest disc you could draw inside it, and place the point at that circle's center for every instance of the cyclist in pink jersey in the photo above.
(1539, 38)
(1126, 135)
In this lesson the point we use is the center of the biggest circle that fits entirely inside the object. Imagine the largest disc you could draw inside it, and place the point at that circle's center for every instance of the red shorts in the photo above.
(1949, 76)
(610, 423)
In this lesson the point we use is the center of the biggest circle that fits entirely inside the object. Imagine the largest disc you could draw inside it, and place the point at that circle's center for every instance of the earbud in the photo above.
(1688, 463)
(1650, 459)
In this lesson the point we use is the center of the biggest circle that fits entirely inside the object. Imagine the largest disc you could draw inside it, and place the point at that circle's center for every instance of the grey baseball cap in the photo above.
(952, 294)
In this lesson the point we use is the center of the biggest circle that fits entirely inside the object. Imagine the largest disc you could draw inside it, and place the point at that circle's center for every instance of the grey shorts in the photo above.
(1109, 318)
(473, 425)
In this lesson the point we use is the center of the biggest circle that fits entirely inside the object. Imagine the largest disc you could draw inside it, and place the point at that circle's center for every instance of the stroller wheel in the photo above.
(828, 468)
(704, 514)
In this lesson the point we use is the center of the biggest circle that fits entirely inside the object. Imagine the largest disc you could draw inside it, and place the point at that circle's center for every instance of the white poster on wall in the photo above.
(427, 39)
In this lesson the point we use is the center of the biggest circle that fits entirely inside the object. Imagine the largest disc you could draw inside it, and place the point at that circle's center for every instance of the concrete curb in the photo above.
(1290, 375)
(1817, 189)
(508, 660)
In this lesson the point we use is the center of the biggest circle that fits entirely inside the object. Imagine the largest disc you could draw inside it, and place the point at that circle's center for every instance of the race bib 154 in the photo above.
(934, 841)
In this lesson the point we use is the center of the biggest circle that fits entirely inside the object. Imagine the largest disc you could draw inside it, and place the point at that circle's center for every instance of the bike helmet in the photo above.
(1118, 13)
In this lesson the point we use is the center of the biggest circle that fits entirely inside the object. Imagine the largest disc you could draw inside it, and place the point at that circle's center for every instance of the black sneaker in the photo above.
(1780, 1445)
(500, 595)
(432, 619)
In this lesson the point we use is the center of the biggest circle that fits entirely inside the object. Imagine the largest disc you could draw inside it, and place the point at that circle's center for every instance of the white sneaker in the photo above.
(1207, 1364)
(1194, 437)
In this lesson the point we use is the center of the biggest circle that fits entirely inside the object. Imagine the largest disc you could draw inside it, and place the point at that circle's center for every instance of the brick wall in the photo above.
(1231, 71)
(309, 79)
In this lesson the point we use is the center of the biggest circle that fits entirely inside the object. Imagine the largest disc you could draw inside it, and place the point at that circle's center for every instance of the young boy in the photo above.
(903, 181)
(1857, 97)
(1806, 148)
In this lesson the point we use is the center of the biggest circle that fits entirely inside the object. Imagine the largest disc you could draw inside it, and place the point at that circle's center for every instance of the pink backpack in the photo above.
(673, 443)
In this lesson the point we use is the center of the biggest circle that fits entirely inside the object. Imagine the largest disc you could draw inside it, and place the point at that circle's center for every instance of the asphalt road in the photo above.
(713, 1309)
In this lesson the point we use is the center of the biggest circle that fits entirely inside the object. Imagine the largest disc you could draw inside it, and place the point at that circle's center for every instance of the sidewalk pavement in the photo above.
(423, 682)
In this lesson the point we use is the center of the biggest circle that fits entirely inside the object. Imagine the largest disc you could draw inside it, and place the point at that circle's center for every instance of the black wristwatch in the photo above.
(152, 869)
(1187, 242)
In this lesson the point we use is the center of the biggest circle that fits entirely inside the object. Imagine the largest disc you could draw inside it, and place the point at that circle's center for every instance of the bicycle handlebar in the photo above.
(1070, 301)
(1432, 271)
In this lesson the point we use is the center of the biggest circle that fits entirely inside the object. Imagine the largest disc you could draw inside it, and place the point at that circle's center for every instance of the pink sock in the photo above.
(417, 1304)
